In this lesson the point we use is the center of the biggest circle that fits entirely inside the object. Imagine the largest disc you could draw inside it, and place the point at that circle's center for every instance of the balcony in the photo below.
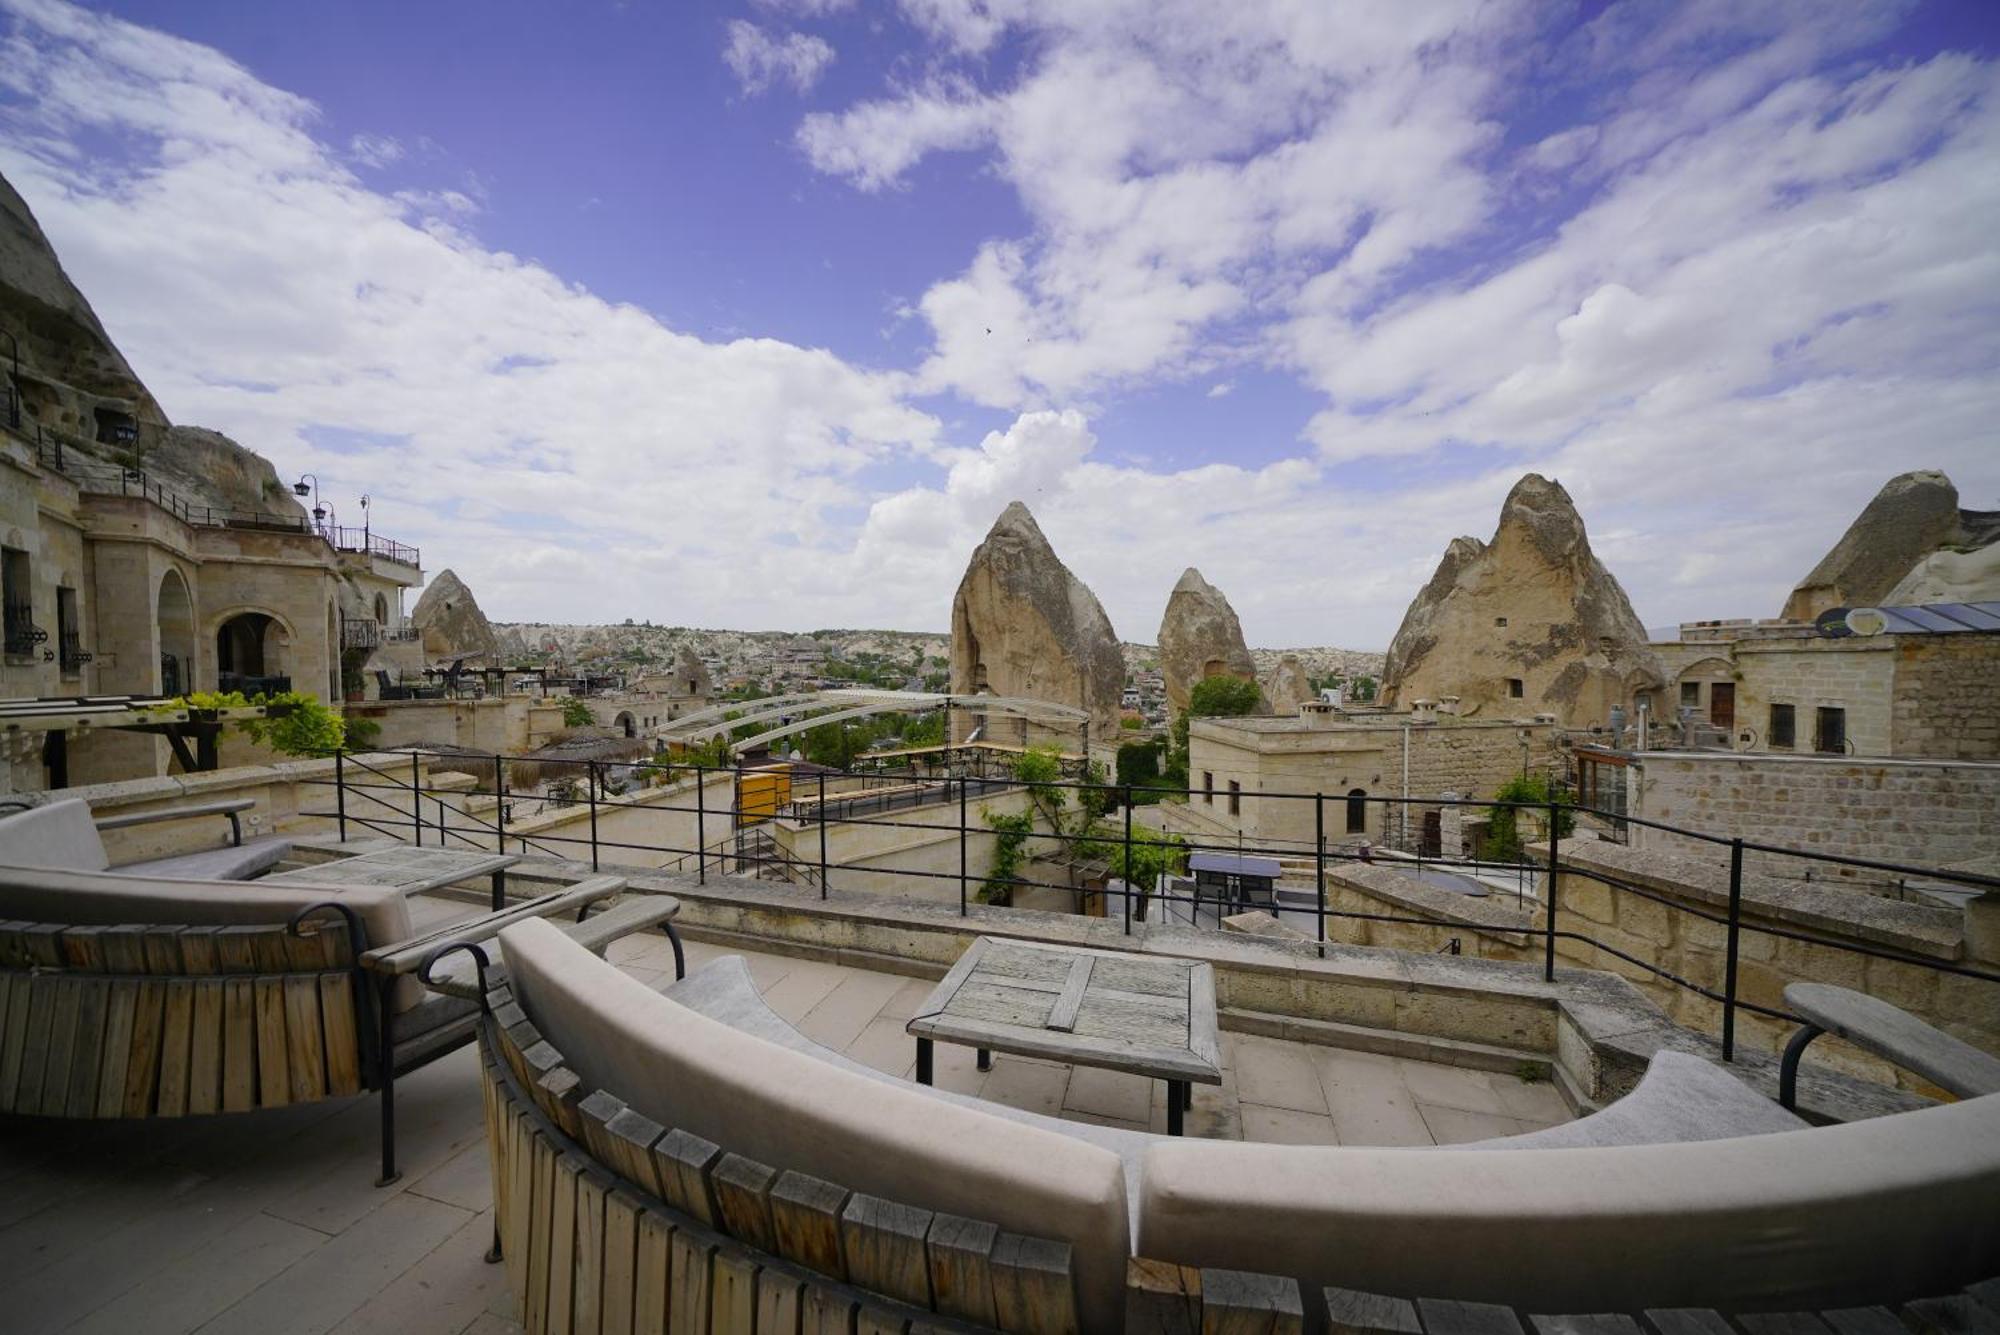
(360, 633)
(72, 653)
(364, 542)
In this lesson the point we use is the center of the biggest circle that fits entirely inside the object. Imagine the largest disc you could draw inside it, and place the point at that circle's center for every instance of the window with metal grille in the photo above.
(1830, 734)
(1784, 727)
(1208, 787)
(1691, 695)
(1235, 798)
(17, 598)
(1357, 811)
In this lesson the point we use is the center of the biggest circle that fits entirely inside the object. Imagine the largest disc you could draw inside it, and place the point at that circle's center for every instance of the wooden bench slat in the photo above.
(588, 1281)
(340, 1031)
(1687, 1321)
(1592, 1323)
(1034, 1285)
(743, 1200)
(1782, 1323)
(13, 1035)
(688, 1287)
(1445, 1316)
(207, 1035)
(960, 1255)
(121, 1012)
(621, 1250)
(1352, 1312)
(733, 1292)
(142, 1070)
(780, 1303)
(1240, 1302)
(560, 1305)
(63, 1024)
(176, 1047)
(1162, 1297)
(87, 1060)
(541, 1223)
(1951, 1314)
(883, 1242)
(1864, 1321)
(653, 1268)
(805, 1217)
(274, 1066)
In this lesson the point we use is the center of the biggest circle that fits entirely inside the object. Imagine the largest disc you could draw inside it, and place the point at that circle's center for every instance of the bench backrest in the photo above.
(57, 834)
(1829, 1216)
(48, 894)
(778, 1107)
(158, 1020)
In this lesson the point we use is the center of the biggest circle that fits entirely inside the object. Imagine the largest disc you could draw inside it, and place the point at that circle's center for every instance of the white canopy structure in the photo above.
(800, 712)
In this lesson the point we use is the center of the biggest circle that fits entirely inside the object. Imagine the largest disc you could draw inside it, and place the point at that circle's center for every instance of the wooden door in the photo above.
(1722, 704)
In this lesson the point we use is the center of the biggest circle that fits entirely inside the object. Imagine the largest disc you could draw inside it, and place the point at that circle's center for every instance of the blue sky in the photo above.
(757, 314)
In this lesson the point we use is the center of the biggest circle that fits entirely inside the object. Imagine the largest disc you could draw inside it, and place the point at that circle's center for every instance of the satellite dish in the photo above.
(1832, 623)
(1867, 621)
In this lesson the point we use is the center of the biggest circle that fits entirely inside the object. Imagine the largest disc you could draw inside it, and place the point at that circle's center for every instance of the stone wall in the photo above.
(1928, 813)
(1271, 757)
(1947, 703)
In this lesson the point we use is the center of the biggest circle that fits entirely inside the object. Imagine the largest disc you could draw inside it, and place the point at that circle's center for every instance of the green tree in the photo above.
(576, 714)
(1503, 827)
(1215, 697)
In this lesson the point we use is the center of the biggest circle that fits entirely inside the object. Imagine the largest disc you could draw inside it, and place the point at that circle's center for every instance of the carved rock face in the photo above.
(1528, 623)
(1910, 544)
(1287, 687)
(1200, 638)
(1023, 625)
(451, 621)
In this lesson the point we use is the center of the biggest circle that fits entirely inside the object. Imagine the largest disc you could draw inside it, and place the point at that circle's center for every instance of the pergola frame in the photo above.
(847, 703)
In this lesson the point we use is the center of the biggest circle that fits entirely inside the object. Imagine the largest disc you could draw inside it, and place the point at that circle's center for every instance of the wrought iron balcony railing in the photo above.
(21, 634)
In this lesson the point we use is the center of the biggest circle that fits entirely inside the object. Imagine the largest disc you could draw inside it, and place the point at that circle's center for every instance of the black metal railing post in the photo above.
(590, 778)
(340, 790)
(701, 826)
(1555, 826)
(417, 797)
(499, 803)
(1125, 871)
(964, 867)
(1729, 963)
(1319, 867)
(822, 834)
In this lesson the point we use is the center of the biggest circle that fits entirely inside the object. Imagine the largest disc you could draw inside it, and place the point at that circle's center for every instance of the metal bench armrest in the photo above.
(403, 957)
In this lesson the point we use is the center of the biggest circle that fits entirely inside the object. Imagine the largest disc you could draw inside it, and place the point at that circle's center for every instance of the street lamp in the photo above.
(308, 485)
(364, 521)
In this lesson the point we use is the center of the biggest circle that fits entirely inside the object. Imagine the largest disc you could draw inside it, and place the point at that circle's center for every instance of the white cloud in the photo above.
(375, 150)
(758, 59)
(1221, 389)
(1722, 303)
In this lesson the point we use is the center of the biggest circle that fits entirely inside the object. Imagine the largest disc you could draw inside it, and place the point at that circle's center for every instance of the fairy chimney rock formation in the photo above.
(690, 675)
(1528, 623)
(1287, 688)
(1200, 638)
(451, 622)
(1911, 544)
(1023, 625)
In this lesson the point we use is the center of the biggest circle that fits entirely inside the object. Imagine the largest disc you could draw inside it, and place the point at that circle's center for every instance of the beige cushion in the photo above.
(788, 1110)
(51, 895)
(60, 834)
(1826, 1217)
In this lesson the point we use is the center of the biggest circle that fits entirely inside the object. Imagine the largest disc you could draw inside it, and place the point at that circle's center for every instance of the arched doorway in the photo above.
(173, 615)
(247, 653)
(627, 725)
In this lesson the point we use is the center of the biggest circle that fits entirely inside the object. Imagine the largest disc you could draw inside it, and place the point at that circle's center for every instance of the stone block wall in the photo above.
(1947, 702)
(1924, 813)
(1857, 676)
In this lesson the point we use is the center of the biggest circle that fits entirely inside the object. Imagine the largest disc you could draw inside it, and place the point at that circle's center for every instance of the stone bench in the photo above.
(1891, 1034)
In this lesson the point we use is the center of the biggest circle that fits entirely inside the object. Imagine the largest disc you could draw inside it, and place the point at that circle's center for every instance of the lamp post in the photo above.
(308, 485)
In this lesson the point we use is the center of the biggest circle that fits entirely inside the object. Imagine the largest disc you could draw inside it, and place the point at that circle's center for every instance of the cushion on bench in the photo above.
(58, 834)
(231, 862)
(1825, 1217)
(790, 1110)
(80, 898)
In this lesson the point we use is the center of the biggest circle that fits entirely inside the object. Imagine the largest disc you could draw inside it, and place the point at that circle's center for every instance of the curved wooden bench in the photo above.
(608, 1220)
(138, 997)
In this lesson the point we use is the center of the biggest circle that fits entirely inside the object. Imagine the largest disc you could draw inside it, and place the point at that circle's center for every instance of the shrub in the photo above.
(576, 714)
(1503, 832)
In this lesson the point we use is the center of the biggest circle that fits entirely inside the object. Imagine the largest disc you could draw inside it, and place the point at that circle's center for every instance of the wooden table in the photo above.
(409, 869)
(1149, 1016)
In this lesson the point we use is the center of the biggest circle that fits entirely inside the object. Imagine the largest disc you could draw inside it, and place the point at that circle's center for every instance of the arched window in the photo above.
(1357, 811)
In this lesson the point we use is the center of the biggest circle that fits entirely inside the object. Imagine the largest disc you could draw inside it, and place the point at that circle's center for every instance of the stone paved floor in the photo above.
(269, 1223)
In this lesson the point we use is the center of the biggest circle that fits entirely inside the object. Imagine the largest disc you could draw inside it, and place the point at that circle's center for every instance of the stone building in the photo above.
(1929, 686)
(1238, 767)
(142, 558)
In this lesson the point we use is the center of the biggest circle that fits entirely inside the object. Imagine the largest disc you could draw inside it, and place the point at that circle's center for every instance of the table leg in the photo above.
(499, 889)
(1176, 1102)
(985, 1061)
(923, 1061)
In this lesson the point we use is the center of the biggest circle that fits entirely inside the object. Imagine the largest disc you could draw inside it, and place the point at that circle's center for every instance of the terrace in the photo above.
(1406, 1014)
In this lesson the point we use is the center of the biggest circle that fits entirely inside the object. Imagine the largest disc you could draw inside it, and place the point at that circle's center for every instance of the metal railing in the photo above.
(107, 479)
(17, 623)
(1112, 845)
(360, 632)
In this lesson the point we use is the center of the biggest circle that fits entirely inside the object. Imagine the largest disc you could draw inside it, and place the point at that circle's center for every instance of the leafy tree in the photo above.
(1364, 689)
(1503, 831)
(576, 714)
(1214, 697)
